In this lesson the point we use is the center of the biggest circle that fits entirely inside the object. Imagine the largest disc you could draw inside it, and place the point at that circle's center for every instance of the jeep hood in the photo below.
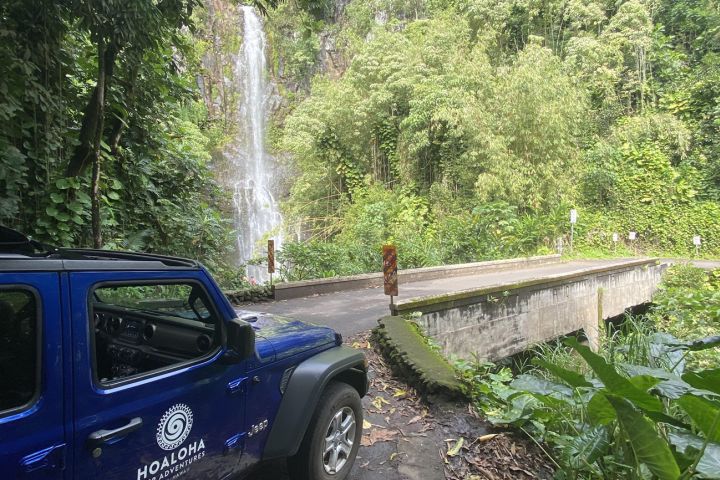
(281, 337)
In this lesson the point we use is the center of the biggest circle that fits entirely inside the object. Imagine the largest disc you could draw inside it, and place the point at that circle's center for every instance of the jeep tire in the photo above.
(331, 442)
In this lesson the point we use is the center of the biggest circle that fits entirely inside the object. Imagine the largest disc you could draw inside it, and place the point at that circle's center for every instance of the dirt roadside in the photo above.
(409, 437)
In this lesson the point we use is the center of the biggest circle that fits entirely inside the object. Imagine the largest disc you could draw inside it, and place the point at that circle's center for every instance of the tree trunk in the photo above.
(93, 153)
(91, 133)
(95, 191)
(117, 126)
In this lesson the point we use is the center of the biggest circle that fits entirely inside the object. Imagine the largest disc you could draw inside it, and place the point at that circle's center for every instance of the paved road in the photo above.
(354, 311)
(706, 264)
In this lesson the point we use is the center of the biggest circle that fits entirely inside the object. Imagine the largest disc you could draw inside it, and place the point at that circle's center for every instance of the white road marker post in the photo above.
(573, 221)
(697, 241)
(615, 238)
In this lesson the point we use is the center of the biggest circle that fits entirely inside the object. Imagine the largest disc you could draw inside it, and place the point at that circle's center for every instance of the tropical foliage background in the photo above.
(457, 129)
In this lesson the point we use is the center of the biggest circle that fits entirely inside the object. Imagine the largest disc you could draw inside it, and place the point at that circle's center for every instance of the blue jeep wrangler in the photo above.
(133, 366)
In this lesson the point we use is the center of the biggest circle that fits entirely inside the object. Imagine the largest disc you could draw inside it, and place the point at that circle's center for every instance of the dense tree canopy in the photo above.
(515, 111)
(459, 130)
(104, 140)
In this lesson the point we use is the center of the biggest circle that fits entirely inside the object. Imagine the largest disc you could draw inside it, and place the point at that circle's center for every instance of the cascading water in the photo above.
(256, 211)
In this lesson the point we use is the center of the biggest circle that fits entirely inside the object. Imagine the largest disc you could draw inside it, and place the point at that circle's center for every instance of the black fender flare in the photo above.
(301, 397)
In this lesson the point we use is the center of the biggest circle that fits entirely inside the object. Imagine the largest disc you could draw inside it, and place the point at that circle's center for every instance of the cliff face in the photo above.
(299, 47)
(220, 34)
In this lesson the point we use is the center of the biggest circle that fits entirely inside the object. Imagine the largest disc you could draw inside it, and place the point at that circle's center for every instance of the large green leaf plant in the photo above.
(604, 417)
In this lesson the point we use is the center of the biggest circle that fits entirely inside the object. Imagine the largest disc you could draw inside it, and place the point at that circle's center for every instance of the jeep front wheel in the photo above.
(333, 437)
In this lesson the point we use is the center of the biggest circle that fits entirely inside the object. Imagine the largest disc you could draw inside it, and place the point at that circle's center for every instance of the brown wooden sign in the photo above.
(390, 270)
(271, 256)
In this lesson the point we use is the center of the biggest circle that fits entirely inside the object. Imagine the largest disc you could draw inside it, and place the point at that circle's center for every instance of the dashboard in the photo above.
(129, 342)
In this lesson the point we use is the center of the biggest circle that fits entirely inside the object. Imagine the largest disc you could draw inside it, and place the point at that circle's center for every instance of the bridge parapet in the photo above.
(504, 319)
(306, 288)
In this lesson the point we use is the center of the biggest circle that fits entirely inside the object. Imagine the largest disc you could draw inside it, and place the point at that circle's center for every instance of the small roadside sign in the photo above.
(573, 221)
(697, 241)
(271, 256)
(632, 236)
(390, 270)
(615, 237)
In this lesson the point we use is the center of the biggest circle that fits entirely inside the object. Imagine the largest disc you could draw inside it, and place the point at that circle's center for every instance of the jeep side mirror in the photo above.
(240, 341)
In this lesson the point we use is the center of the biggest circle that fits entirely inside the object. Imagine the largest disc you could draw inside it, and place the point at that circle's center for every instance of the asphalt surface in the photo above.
(355, 311)
(706, 264)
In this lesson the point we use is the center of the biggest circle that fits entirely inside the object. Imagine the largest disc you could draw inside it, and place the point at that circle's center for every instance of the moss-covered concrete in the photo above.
(494, 292)
(411, 358)
(492, 325)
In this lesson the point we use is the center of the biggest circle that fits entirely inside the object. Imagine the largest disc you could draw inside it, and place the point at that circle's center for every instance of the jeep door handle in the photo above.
(102, 437)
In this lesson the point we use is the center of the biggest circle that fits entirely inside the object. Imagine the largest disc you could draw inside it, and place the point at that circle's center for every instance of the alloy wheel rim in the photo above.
(339, 440)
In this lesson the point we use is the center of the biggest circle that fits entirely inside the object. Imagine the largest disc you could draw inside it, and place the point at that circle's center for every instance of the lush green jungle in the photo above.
(458, 130)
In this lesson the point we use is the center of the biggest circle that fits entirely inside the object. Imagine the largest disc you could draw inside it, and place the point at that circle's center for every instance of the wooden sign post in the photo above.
(271, 259)
(390, 271)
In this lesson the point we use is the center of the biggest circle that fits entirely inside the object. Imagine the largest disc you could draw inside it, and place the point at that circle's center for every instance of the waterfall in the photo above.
(256, 210)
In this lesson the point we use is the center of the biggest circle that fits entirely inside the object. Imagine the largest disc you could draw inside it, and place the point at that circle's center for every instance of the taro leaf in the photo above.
(553, 402)
(649, 447)
(704, 343)
(705, 379)
(615, 383)
(658, 417)
(668, 349)
(634, 370)
(57, 198)
(691, 446)
(671, 386)
(674, 389)
(584, 449)
(600, 411)
(704, 413)
(518, 411)
(644, 382)
(573, 379)
(532, 384)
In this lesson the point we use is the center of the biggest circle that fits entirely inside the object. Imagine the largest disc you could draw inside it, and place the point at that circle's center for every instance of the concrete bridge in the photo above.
(500, 320)
(494, 309)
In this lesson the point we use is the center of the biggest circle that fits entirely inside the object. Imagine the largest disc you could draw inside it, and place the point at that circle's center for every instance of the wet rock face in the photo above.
(332, 61)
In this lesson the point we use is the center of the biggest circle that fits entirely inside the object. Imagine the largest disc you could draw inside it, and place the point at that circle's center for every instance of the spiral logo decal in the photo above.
(174, 426)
